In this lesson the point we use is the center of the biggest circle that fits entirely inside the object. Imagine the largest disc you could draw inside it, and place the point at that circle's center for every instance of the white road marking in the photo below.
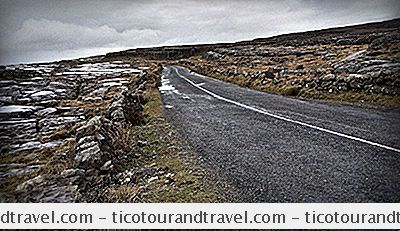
(263, 111)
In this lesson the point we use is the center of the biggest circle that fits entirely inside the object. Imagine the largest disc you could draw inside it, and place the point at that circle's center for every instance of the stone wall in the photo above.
(92, 162)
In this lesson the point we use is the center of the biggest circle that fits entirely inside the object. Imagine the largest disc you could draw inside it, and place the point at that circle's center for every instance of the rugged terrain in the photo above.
(93, 129)
(358, 64)
(355, 64)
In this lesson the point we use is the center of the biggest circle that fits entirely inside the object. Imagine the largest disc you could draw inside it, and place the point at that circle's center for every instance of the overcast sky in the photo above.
(45, 30)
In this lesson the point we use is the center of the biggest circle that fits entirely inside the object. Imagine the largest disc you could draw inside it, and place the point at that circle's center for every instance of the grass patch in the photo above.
(290, 91)
(307, 93)
(121, 194)
(353, 97)
(153, 108)
(60, 159)
(60, 133)
(177, 177)
(185, 185)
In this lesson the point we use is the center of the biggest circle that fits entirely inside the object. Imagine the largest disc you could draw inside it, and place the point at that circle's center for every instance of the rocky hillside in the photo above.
(356, 64)
(91, 130)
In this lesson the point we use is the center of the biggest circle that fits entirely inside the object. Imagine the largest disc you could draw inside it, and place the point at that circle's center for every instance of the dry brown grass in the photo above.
(60, 133)
(353, 97)
(293, 91)
(163, 152)
(83, 104)
(153, 108)
(121, 194)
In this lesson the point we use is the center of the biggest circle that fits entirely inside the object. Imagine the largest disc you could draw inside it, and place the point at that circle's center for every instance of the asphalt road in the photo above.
(271, 148)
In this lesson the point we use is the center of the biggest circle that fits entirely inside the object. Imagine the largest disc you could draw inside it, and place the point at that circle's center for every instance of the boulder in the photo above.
(89, 128)
(211, 55)
(49, 189)
(87, 149)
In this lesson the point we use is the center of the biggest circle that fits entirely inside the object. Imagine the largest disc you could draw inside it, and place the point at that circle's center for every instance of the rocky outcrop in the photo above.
(51, 188)
(38, 100)
(364, 62)
(17, 73)
(96, 147)
(80, 116)
(210, 55)
(88, 154)
(160, 53)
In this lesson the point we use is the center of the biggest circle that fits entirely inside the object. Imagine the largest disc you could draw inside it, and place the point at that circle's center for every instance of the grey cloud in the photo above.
(53, 29)
(50, 35)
